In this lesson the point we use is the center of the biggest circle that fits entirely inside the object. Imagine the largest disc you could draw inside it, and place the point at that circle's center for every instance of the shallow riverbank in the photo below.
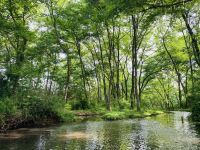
(76, 116)
(164, 131)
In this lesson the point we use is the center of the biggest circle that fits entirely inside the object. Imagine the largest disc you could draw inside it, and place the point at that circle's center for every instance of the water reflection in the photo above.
(167, 131)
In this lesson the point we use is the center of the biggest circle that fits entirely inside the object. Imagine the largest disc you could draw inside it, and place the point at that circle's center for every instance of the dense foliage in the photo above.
(58, 55)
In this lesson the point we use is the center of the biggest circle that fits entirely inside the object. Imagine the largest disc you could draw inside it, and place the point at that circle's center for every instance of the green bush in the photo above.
(62, 110)
(39, 107)
(194, 100)
(35, 108)
(114, 115)
(79, 105)
(7, 107)
(123, 104)
(68, 106)
(195, 111)
(66, 116)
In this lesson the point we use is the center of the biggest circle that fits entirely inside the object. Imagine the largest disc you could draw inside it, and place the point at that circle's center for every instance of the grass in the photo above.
(116, 115)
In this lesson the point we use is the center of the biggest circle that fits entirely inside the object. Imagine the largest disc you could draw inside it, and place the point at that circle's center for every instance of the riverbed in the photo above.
(171, 131)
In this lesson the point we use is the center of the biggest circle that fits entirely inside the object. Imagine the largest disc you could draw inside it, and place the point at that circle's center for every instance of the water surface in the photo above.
(166, 132)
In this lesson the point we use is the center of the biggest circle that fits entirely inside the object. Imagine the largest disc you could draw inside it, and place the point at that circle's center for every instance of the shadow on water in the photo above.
(166, 131)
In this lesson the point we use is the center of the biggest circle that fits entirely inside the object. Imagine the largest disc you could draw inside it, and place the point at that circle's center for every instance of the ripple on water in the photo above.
(76, 135)
(12, 135)
(162, 132)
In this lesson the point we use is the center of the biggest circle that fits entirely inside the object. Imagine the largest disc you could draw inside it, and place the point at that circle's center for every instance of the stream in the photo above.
(170, 131)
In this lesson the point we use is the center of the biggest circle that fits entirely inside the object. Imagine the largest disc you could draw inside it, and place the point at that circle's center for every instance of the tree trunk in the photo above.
(194, 41)
(82, 67)
(135, 62)
(104, 76)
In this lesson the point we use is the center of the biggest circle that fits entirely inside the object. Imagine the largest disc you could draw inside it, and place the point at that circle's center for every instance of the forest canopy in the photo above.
(92, 54)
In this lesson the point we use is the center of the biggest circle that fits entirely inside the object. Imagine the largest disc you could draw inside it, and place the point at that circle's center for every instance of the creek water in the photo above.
(170, 131)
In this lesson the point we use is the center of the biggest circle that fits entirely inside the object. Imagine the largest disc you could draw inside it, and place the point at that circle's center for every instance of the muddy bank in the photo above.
(16, 123)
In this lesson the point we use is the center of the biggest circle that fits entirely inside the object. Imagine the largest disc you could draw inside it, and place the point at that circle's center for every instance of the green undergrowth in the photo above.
(37, 109)
(114, 115)
(44, 109)
(118, 115)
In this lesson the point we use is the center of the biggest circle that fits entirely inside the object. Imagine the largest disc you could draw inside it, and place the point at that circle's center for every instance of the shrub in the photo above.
(114, 116)
(68, 106)
(7, 107)
(39, 107)
(195, 99)
(34, 107)
(195, 111)
(66, 116)
(123, 104)
(79, 105)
